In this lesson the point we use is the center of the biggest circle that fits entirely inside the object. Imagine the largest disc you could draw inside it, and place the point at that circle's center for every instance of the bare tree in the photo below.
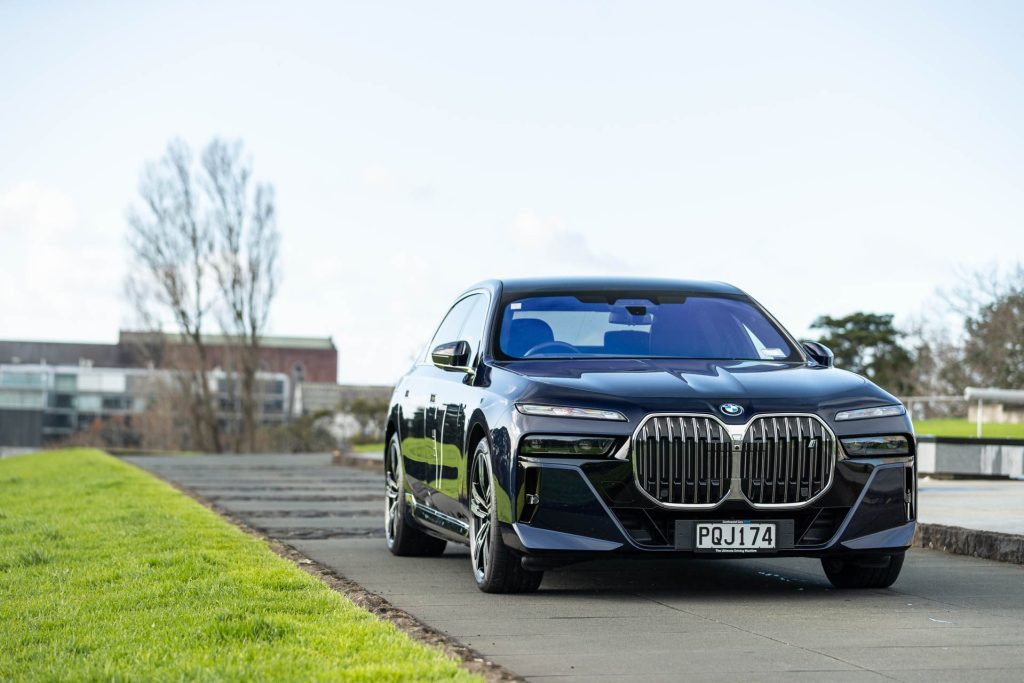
(245, 261)
(204, 243)
(991, 303)
(170, 277)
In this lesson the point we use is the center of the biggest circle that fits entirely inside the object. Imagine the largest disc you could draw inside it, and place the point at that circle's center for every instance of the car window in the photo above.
(451, 326)
(473, 327)
(666, 326)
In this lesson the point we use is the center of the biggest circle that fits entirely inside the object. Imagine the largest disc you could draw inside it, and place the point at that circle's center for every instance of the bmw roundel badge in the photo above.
(731, 409)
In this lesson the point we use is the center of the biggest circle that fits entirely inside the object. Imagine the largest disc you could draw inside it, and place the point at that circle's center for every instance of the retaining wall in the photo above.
(965, 457)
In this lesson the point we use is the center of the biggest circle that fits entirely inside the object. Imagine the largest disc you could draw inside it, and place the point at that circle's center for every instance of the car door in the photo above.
(420, 443)
(456, 393)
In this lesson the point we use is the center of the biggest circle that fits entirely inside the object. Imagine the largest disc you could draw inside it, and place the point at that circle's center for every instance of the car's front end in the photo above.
(697, 482)
(710, 458)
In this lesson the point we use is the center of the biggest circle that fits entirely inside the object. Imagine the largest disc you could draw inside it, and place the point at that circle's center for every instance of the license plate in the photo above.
(734, 537)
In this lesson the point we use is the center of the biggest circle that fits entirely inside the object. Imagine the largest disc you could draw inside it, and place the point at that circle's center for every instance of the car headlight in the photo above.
(865, 413)
(550, 444)
(875, 446)
(567, 411)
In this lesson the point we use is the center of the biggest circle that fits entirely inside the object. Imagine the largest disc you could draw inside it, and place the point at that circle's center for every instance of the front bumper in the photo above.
(571, 510)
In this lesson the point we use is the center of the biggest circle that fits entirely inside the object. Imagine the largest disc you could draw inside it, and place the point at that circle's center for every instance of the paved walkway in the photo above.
(949, 618)
(986, 504)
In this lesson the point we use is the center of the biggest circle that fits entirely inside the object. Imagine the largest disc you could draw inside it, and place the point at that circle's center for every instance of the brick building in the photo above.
(302, 359)
(51, 390)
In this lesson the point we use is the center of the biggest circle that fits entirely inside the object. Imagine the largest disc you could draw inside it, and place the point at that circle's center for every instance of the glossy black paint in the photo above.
(589, 507)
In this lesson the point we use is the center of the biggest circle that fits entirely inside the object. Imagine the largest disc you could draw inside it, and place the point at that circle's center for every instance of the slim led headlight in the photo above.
(557, 444)
(876, 446)
(865, 413)
(567, 411)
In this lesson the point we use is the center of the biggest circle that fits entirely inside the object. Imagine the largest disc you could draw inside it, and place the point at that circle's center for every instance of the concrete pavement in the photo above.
(985, 504)
(948, 617)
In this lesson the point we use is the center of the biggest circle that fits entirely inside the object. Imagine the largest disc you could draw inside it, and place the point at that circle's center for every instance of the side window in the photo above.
(451, 326)
(473, 329)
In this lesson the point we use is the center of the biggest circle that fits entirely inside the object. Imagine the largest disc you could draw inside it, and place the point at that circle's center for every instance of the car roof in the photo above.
(524, 286)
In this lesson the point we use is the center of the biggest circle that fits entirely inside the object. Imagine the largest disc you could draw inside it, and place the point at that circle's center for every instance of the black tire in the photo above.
(402, 537)
(880, 571)
(496, 568)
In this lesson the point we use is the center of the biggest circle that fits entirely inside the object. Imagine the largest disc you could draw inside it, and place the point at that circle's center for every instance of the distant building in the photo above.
(996, 413)
(40, 404)
(52, 390)
(303, 359)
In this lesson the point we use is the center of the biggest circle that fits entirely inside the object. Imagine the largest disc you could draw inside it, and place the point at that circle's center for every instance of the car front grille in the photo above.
(683, 460)
(688, 461)
(786, 460)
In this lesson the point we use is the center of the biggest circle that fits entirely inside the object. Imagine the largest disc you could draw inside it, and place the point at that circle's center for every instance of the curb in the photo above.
(987, 545)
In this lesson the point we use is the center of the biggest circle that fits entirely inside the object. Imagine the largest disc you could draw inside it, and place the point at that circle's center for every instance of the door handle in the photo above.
(433, 398)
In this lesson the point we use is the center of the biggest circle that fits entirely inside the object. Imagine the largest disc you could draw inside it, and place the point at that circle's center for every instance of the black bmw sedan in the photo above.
(560, 420)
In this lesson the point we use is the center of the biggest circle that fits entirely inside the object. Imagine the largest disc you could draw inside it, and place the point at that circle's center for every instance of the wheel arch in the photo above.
(501, 460)
(476, 432)
(389, 432)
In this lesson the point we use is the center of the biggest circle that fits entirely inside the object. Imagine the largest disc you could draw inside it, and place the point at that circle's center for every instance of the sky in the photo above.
(825, 157)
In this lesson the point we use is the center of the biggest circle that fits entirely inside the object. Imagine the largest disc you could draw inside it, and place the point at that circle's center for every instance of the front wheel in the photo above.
(496, 568)
(879, 571)
(401, 536)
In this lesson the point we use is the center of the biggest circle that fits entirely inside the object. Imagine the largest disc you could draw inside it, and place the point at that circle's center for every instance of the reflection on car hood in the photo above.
(673, 378)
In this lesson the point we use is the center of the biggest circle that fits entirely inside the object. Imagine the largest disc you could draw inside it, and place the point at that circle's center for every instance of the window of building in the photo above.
(63, 401)
(57, 420)
(115, 403)
(22, 399)
(89, 403)
(22, 379)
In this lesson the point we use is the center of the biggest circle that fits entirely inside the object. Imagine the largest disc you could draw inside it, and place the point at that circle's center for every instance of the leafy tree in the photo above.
(869, 344)
(371, 412)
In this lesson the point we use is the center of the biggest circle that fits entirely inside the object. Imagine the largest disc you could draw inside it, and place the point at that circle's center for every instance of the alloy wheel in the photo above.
(392, 493)
(481, 502)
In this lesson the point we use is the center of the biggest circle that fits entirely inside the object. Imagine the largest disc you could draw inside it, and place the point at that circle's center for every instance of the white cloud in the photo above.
(379, 179)
(27, 208)
(62, 274)
(547, 241)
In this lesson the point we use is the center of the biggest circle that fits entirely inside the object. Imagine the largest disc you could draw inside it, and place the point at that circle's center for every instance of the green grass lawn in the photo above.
(107, 573)
(368, 448)
(965, 428)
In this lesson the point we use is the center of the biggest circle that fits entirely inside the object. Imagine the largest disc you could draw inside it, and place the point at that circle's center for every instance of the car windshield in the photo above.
(664, 326)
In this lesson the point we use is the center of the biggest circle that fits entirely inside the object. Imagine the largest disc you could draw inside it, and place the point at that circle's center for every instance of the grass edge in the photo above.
(374, 603)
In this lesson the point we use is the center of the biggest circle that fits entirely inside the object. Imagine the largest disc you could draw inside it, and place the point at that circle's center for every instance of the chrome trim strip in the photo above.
(432, 515)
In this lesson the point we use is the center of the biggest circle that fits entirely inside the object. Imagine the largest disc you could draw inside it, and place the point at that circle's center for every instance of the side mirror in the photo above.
(819, 353)
(451, 355)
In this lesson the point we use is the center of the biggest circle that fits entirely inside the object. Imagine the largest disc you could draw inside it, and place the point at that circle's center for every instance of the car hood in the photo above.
(672, 384)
